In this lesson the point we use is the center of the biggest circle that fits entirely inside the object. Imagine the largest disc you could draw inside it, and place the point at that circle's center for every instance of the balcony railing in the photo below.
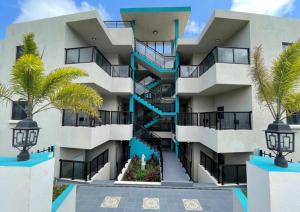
(118, 24)
(82, 170)
(217, 120)
(231, 173)
(165, 62)
(105, 117)
(217, 55)
(92, 54)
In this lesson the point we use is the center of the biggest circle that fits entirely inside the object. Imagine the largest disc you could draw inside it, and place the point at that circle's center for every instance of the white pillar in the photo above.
(271, 188)
(27, 186)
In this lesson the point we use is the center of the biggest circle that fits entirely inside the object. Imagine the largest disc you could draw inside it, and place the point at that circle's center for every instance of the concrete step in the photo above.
(177, 183)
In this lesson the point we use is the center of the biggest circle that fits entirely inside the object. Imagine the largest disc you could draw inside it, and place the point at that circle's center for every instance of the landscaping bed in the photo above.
(151, 173)
(57, 190)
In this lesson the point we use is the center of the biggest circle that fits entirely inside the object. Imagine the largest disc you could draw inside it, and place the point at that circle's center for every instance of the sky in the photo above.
(13, 11)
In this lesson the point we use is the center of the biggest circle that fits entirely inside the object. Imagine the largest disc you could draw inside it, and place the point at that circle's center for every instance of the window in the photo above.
(86, 55)
(18, 110)
(285, 45)
(19, 52)
(294, 119)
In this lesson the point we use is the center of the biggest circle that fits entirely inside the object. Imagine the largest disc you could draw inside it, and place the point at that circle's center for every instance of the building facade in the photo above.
(193, 98)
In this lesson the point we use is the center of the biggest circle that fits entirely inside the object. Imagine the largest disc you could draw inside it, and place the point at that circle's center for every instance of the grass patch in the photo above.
(57, 190)
(151, 173)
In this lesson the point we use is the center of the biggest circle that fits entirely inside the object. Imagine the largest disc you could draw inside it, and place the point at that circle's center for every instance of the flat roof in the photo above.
(159, 19)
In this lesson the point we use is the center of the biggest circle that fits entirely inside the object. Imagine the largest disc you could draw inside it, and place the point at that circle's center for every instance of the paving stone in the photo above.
(151, 203)
(110, 202)
(192, 205)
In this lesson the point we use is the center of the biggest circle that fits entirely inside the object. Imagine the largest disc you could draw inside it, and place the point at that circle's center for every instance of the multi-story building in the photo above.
(190, 100)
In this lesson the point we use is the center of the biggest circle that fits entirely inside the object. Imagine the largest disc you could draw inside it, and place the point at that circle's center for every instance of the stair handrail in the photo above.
(163, 58)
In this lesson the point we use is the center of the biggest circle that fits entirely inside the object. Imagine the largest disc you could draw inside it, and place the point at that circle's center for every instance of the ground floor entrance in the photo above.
(112, 198)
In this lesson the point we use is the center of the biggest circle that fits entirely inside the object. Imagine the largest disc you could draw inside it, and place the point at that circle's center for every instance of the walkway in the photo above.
(93, 198)
(173, 170)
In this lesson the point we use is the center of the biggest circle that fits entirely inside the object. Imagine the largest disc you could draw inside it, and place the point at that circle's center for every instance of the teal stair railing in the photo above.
(163, 61)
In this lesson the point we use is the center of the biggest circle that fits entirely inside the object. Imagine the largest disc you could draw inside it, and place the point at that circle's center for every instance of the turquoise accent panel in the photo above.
(242, 198)
(155, 9)
(153, 84)
(61, 198)
(137, 147)
(149, 124)
(153, 108)
(267, 164)
(34, 160)
(176, 109)
(152, 64)
(176, 148)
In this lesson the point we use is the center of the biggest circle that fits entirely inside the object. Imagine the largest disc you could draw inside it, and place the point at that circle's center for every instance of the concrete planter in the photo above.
(240, 203)
(66, 201)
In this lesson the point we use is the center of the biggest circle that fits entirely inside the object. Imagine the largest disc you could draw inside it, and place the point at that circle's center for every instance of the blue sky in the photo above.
(24, 10)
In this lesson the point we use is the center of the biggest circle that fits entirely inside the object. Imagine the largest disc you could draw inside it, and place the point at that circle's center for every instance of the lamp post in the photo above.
(280, 139)
(25, 136)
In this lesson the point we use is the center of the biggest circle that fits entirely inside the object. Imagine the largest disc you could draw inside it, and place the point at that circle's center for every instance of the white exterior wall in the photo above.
(103, 173)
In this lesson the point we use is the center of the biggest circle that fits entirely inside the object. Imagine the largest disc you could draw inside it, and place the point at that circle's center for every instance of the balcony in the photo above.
(101, 72)
(84, 132)
(222, 69)
(220, 131)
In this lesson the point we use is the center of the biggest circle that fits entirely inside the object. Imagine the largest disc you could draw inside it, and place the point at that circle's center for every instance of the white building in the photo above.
(194, 96)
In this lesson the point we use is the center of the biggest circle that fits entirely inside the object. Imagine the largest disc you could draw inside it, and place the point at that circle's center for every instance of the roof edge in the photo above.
(155, 9)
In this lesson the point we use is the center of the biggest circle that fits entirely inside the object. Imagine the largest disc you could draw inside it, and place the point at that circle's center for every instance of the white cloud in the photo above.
(267, 7)
(193, 28)
(38, 9)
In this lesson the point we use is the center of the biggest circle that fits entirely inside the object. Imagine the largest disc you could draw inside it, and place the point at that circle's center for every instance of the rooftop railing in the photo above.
(217, 120)
(118, 24)
(217, 55)
(104, 118)
(92, 54)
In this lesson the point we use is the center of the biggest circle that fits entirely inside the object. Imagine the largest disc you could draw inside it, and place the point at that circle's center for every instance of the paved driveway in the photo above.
(92, 198)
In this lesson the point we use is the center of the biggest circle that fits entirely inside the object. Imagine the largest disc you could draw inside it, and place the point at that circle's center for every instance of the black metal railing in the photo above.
(270, 155)
(155, 98)
(217, 55)
(163, 47)
(105, 117)
(228, 173)
(82, 170)
(118, 24)
(92, 54)
(165, 62)
(217, 120)
(293, 119)
(185, 161)
(48, 149)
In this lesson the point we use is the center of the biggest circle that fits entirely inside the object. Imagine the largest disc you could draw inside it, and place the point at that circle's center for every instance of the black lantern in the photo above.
(280, 139)
(25, 136)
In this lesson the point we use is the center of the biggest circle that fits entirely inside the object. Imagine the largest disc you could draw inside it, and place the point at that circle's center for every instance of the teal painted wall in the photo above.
(139, 148)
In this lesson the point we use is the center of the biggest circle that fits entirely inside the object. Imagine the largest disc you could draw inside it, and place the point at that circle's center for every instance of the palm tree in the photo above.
(278, 87)
(43, 92)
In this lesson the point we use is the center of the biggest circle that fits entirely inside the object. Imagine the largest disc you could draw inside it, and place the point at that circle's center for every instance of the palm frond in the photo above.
(58, 78)
(291, 103)
(286, 71)
(29, 44)
(261, 79)
(27, 74)
(5, 93)
(77, 98)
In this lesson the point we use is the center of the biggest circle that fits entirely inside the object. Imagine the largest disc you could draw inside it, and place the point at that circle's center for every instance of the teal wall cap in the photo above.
(242, 198)
(267, 164)
(61, 198)
(34, 160)
(155, 9)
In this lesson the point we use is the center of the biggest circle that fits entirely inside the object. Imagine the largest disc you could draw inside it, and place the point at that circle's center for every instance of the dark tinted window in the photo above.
(19, 51)
(241, 56)
(72, 56)
(86, 55)
(225, 55)
(18, 110)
